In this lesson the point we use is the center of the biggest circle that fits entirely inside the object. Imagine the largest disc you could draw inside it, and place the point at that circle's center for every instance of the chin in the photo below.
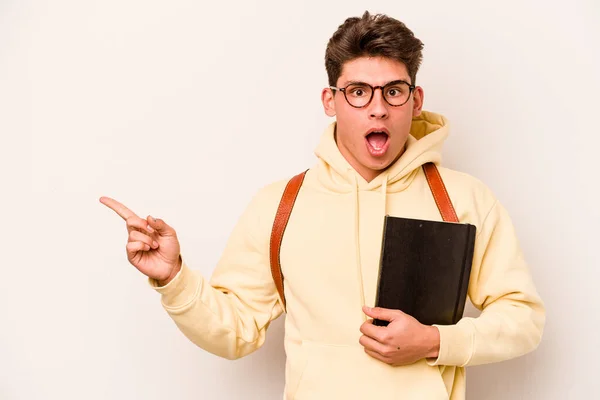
(379, 165)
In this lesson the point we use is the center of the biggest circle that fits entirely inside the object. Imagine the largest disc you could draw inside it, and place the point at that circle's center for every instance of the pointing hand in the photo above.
(152, 245)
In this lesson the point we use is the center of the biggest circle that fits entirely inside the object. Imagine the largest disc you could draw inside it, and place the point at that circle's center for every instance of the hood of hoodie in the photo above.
(424, 144)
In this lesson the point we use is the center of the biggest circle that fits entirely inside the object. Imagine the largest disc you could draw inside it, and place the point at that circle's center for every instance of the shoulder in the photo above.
(471, 197)
(463, 181)
(266, 199)
(274, 190)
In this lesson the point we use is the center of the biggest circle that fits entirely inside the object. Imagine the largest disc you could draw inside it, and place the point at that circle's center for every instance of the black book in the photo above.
(425, 268)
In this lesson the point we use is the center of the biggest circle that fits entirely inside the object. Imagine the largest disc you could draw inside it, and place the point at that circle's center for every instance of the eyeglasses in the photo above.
(360, 94)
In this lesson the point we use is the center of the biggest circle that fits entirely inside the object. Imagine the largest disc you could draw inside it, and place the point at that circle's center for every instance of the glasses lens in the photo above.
(397, 94)
(358, 95)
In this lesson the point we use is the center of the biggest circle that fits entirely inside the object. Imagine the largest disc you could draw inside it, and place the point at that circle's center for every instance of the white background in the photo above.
(183, 109)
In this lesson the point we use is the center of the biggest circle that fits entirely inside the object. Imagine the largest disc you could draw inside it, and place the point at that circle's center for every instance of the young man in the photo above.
(369, 165)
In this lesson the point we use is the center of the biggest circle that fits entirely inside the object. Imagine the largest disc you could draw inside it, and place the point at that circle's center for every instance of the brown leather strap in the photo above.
(434, 179)
(281, 219)
(440, 194)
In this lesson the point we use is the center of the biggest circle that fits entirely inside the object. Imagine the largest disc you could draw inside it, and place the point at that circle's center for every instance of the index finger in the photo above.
(117, 207)
(373, 331)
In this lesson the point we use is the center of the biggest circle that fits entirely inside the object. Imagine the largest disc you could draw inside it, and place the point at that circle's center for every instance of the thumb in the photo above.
(384, 314)
(160, 226)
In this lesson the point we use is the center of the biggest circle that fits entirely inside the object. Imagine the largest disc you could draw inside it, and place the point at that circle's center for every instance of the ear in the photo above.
(418, 97)
(328, 101)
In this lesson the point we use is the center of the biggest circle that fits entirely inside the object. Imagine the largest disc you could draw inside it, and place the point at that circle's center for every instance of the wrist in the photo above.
(433, 342)
(172, 275)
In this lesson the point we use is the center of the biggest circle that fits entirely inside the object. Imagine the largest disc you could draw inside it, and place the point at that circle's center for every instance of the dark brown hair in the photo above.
(372, 36)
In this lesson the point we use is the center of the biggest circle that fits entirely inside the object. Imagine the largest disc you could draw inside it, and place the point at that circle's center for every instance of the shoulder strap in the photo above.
(281, 219)
(440, 194)
(434, 179)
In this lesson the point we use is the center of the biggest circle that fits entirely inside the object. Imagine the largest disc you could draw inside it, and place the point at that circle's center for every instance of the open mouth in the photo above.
(377, 142)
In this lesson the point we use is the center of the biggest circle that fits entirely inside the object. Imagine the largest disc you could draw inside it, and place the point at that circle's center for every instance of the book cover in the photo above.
(425, 268)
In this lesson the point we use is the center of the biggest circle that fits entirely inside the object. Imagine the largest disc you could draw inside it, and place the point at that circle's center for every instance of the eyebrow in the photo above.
(364, 83)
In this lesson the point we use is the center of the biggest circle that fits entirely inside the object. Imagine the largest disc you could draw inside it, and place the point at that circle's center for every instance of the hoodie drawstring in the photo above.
(384, 195)
(357, 246)
(355, 193)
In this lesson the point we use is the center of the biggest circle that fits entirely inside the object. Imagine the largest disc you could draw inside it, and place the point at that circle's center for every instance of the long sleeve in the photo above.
(512, 313)
(229, 314)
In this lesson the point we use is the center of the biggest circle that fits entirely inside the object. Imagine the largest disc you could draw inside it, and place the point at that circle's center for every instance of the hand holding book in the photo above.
(403, 341)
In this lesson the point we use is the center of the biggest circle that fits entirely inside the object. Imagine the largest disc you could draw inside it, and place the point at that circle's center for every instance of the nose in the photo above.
(378, 107)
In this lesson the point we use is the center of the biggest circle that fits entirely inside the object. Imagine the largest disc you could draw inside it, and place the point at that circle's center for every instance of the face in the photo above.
(371, 153)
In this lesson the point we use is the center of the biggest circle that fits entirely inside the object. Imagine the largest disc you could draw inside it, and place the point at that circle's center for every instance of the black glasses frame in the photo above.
(411, 88)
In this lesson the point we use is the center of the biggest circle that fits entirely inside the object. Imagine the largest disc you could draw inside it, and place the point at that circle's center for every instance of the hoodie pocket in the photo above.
(347, 372)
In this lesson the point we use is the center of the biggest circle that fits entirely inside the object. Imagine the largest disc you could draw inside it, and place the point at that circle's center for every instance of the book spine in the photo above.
(381, 256)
